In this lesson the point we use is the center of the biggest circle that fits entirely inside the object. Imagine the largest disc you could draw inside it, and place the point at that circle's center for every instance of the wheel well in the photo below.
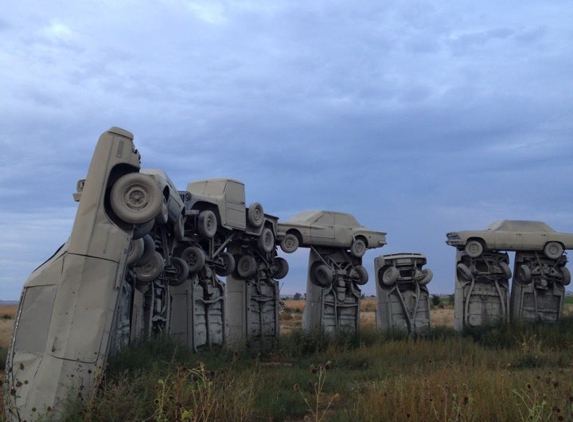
(555, 241)
(296, 233)
(115, 174)
(203, 206)
(360, 237)
(477, 239)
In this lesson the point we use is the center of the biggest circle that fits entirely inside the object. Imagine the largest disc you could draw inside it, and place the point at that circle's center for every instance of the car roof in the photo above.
(520, 226)
(313, 215)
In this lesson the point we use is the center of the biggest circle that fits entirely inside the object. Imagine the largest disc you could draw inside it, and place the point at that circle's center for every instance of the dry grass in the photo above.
(7, 313)
(439, 316)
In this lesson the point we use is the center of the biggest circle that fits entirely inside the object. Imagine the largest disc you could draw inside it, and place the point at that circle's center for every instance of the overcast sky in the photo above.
(417, 117)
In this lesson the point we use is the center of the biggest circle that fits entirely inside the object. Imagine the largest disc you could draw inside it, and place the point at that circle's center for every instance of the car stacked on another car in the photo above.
(328, 228)
(512, 235)
(218, 216)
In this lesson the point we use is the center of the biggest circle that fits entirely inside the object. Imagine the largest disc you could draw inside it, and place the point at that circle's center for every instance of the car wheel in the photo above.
(289, 243)
(151, 269)
(565, 276)
(135, 198)
(281, 268)
(148, 250)
(474, 248)
(255, 215)
(358, 248)
(163, 216)
(179, 228)
(427, 276)
(524, 274)
(463, 272)
(142, 229)
(181, 271)
(207, 224)
(322, 276)
(266, 241)
(247, 266)
(506, 270)
(194, 257)
(387, 276)
(360, 275)
(227, 266)
(136, 248)
(553, 250)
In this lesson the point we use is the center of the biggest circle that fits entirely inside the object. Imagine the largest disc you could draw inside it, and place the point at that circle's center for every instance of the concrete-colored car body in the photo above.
(252, 316)
(216, 216)
(174, 209)
(328, 228)
(226, 198)
(481, 295)
(512, 235)
(198, 313)
(332, 290)
(403, 299)
(64, 323)
(538, 289)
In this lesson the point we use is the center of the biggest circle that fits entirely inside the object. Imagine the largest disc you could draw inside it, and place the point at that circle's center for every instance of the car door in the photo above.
(510, 240)
(322, 229)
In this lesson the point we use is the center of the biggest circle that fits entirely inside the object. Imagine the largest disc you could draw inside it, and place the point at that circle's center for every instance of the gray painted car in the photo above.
(512, 235)
(402, 294)
(66, 317)
(328, 228)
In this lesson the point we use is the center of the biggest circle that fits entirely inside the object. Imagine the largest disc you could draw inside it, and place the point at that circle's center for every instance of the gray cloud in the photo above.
(418, 117)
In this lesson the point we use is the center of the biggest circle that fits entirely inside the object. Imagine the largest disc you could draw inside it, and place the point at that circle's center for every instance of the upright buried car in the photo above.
(328, 228)
(512, 235)
(402, 294)
(66, 314)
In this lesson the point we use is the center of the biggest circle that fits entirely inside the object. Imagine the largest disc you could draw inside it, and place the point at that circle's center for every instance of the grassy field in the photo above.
(520, 372)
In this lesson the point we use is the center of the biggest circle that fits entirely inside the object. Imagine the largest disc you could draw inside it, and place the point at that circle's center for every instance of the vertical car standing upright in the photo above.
(66, 316)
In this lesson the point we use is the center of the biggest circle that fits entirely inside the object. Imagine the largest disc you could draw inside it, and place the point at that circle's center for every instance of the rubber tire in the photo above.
(179, 228)
(163, 216)
(228, 266)
(360, 275)
(151, 269)
(463, 272)
(266, 241)
(282, 268)
(135, 252)
(473, 248)
(255, 215)
(565, 276)
(182, 271)
(148, 250)
(142, 229)
(136, 198)
(322, 275)
(428, 275)
(524, 274)
(207, 224)
(553, 250)
(506, 270)
(246, 266)
(388, 276)
(194, 257)
(290, 243)
(358, 248)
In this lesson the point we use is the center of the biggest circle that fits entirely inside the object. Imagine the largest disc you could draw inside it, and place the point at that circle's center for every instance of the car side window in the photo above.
(325, 220)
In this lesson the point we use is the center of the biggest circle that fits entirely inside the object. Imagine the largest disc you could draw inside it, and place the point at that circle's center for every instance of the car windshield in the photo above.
(305, 217)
